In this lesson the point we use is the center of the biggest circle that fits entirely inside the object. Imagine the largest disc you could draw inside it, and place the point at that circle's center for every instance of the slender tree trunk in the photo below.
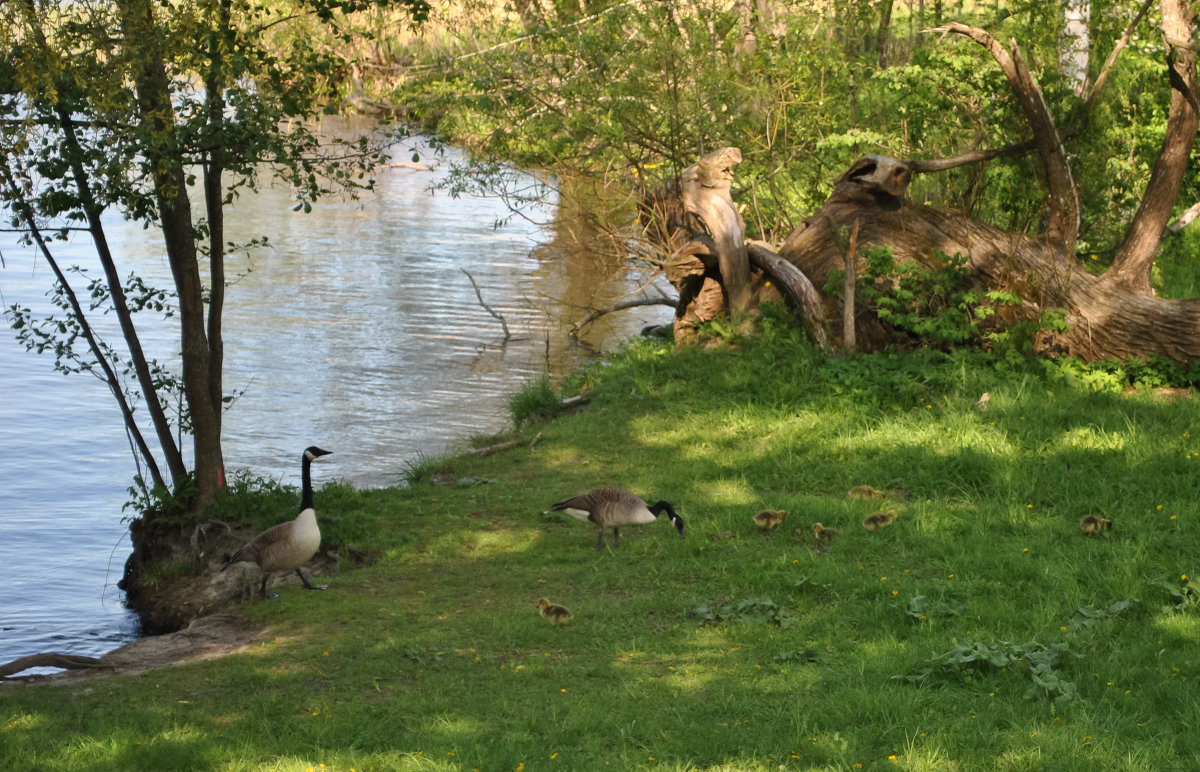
(170, 186)
(110, 375)
(221, 46)
(885, 32)
(1135, 257)
(1074, 44)
(92, 210)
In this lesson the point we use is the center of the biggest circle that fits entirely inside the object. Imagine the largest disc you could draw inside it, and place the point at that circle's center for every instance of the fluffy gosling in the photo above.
(768, 519)
(1095, 524)
(878, 520)
(558, 615)
(865, 492)
(824, 535)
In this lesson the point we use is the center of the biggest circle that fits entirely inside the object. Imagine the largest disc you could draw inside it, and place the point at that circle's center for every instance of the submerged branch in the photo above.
(624, 304)
(486, 307)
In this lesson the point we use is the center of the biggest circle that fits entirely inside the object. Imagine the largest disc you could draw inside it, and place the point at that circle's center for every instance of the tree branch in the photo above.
(50, 659)
(621, 306)
(1112, 57)
(969, 157)
(486, 307)
(1063, 200)
(1132, 263)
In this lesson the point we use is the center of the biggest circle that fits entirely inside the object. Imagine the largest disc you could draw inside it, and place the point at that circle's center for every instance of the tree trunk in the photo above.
(1074, 42)
(1135, 257)
(220, 47)
(170, 186)
(1106, 318)
(706, 194)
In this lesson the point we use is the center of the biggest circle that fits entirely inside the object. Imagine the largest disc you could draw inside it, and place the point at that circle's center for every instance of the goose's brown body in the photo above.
(614, 508)
(287, 546)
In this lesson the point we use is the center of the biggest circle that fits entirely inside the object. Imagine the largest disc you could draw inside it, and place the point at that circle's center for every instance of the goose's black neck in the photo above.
(306, 492)
(657, 509)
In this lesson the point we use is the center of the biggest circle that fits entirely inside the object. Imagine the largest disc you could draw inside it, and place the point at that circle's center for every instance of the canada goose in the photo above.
(1095, 524)
(613, 508)
(824, 535)
(558, 615)
(879, 520)
(769, 519)
(865, 492)
(289, 545)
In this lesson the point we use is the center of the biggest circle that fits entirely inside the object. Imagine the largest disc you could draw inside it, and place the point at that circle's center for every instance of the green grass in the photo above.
(434, 656)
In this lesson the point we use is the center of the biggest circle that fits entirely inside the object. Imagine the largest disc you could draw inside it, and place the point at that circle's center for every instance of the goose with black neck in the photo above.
(287, 546)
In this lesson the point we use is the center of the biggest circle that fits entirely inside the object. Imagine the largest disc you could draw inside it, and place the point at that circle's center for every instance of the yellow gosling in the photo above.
(865, 492)
(769, 519)
(824, 535)
(1095, 524)
(879, 520)
(558, 615)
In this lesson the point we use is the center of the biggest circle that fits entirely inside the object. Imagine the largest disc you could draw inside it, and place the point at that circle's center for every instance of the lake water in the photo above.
(358, 331)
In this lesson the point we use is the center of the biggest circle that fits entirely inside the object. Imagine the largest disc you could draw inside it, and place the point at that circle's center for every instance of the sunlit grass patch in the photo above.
(434, 655)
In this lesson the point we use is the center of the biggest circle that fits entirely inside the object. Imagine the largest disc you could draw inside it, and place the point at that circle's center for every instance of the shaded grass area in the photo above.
(885, 651)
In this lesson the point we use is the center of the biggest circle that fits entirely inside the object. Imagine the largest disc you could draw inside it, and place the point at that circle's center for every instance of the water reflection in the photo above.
(357, 331)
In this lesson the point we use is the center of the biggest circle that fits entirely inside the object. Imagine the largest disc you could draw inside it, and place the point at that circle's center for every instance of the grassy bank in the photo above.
(981, 631)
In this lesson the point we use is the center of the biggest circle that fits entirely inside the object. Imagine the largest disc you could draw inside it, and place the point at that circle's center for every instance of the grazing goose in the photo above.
(289, 545)
(1094, 524)
(769, 519)
(558, 615)
(613, 508)
(879, 520)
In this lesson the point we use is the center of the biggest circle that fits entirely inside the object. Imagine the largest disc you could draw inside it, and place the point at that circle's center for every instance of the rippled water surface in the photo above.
(357, 331)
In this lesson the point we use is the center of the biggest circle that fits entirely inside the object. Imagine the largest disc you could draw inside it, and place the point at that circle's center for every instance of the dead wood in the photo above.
(1106, 318)
(1063, 200)
(597, 313)
(795, 287)
(499, 446)
(495, 315)
(50, 659)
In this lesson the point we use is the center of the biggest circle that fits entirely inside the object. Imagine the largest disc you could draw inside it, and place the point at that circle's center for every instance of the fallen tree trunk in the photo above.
(1106, 318)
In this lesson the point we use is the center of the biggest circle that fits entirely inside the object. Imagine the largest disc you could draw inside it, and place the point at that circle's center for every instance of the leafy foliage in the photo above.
(760, 610)
(972, 661)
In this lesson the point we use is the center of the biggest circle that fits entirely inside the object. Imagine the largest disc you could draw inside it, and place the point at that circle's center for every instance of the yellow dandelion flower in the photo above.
(892, 757)
(564, 691)
(1159, 507)
(1183, 577)
(895, 592)
(1172, 517)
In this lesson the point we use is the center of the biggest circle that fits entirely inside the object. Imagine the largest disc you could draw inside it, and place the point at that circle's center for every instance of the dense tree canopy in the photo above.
(127, 106)
(636, 92)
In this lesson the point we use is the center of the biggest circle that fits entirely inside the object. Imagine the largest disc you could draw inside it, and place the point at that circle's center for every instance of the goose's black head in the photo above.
(676, 520)
(313, 452)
